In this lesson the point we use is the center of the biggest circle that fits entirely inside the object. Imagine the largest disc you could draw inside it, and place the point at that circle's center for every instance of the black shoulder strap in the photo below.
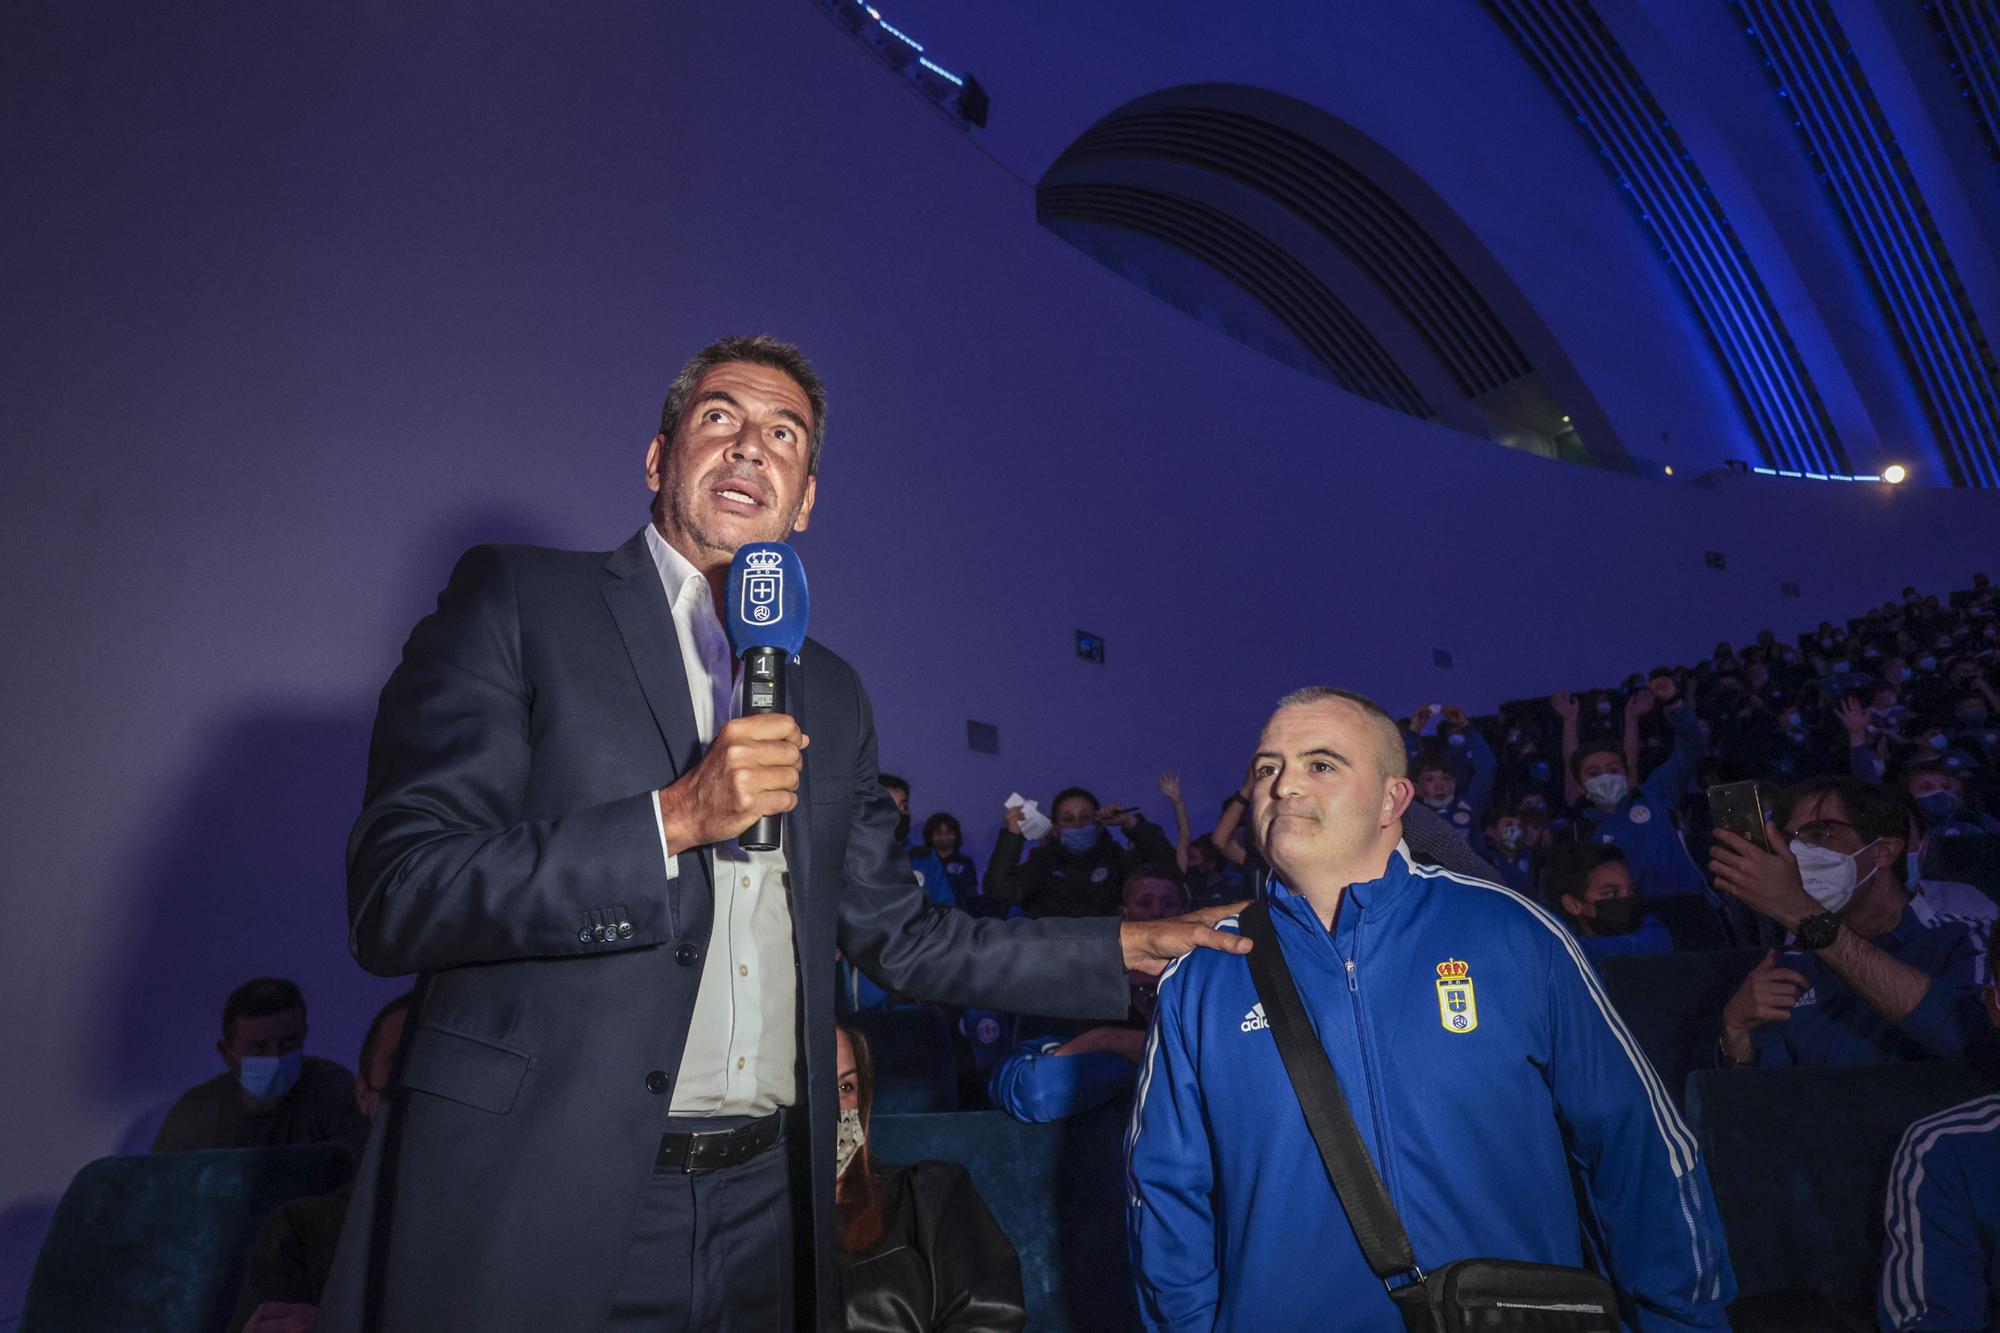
(1384, 1243)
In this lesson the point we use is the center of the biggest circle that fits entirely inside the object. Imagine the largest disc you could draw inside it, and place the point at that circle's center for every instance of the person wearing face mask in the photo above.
(1592, 885)
(1081, 872)
(1866, 981)
(1517, 862)
(1935, 900)
(918, 1250)
(947, 873)
(1939, 792)
(295, 1246)
(1639, 823)
(272, 1094)
(1437, 766)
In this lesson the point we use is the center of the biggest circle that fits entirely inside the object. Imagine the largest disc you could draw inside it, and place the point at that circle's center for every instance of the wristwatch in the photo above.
(1818, 930)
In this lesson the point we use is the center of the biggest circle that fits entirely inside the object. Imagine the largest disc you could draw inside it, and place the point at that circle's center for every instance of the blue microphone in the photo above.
(766, 622)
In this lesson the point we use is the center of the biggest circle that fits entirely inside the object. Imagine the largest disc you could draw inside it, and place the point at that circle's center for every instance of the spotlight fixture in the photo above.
(1894, 474)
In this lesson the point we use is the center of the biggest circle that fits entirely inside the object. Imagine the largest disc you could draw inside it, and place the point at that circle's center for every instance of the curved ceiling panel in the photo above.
(1320, 321)
(1348, 209)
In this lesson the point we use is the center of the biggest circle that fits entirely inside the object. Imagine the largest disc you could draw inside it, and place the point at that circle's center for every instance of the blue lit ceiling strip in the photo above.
(1577, 57)
(1853, 150)
(958, 94)
(1295, 296)
(1968, 31)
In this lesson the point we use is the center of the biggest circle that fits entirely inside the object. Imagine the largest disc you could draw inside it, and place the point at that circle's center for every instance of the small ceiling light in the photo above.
(1670, 469)
(1894, 474)
(1565, 421)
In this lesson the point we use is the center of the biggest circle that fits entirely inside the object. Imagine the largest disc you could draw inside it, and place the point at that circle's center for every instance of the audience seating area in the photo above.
(160, 1242)
(1799, 1159)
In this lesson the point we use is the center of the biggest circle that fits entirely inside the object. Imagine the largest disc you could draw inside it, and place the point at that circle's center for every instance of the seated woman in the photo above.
(918, 1250)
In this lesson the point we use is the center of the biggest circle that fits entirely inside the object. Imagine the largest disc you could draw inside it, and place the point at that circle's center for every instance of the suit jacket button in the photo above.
(583, 936)
(656, 1082)
(686, 954)
(624, 930)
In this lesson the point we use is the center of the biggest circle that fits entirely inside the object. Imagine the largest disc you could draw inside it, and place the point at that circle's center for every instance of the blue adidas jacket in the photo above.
(1473, 1101)
(1942, 1220)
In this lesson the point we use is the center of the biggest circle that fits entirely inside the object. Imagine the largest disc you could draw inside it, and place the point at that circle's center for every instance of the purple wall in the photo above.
(303, 301)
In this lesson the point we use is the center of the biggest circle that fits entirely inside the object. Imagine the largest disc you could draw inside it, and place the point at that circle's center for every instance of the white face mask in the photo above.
(847, 1142)
(1829, 876)
(1606, 789)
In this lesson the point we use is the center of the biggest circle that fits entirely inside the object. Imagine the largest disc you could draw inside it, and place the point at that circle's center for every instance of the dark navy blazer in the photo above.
(507, 853)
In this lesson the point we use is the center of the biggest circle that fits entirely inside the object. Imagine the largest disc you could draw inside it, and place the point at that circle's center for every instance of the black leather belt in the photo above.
(724, 1147)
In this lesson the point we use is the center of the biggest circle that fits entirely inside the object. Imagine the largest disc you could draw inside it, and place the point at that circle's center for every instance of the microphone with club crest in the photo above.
(766, 623)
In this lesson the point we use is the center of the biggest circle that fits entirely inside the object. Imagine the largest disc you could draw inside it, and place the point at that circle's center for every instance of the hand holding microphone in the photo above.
(750, 776)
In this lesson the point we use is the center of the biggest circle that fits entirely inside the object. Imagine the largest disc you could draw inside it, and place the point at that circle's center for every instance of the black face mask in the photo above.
(1618, 916)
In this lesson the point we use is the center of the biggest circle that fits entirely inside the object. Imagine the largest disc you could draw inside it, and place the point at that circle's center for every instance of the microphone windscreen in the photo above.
(766, 601)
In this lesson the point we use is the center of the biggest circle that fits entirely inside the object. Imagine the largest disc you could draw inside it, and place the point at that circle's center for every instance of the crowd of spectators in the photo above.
(1872, 745)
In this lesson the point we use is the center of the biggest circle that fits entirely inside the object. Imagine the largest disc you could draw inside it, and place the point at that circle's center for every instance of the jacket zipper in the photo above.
(1385, 1162)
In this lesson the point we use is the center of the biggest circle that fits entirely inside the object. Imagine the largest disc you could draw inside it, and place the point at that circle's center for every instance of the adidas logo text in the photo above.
(1254, 1021)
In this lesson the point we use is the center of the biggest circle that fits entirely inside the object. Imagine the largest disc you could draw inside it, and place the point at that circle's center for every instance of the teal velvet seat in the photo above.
(159, 1242)
(1057, 1191)
(916, 1063)
(1673, 1003)
(1799, 1159)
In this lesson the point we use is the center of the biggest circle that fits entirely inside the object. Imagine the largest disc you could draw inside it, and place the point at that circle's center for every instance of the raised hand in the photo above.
(1169, 783)
(1421, 719)
(1566, 705)
(1853, 715)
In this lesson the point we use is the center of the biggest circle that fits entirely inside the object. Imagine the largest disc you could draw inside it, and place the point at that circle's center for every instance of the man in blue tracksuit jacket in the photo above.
(1480, 1056)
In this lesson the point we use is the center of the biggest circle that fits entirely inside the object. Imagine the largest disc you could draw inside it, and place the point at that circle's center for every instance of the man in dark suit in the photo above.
(616, 1101)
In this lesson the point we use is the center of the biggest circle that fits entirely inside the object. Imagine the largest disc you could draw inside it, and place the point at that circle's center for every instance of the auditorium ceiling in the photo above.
(1502, 214)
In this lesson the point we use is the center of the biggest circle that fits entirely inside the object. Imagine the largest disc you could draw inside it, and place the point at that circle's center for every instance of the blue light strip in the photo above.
(1852, 148)
(875, 15)
(1816, 476)
(1597, 83)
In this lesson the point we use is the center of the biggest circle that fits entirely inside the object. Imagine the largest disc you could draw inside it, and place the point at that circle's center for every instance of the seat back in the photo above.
(160, 1241)
(916, 1062)
(1055, 1189)
(1690, 918)
(1673, 1004)
(1799, 1159)
(1971, 859)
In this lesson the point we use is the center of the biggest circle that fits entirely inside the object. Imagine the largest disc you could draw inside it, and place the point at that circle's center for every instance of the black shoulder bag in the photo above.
(1466, 1294)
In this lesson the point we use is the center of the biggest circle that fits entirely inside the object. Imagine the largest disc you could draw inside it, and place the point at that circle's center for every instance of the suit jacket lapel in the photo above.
(639, 606)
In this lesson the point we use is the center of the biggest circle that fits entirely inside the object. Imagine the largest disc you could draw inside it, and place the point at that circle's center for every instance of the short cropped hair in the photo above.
(1157, 871)
(1068, 792)
(1872, 808)
(260, 999)
(891, 780)
(758, 349)
(942, 819)
(1390, 757)
(1571, 865)
(396, 1006)
(1434, 761)
(1589, 748)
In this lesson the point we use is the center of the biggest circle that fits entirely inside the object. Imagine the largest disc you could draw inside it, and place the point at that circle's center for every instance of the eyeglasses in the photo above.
(1819, 833)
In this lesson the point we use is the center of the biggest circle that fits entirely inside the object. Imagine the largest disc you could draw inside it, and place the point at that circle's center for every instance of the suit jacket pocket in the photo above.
(472, 1070)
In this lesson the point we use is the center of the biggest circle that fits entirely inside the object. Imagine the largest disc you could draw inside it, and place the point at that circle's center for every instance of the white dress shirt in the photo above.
(742, 1037)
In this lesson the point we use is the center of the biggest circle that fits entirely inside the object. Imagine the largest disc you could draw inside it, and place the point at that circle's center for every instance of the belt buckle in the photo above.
(693, 1161)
